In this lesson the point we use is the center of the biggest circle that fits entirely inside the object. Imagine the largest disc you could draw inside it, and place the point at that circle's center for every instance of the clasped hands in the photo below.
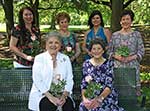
(125, 59)
(58, 101)
(91, 104)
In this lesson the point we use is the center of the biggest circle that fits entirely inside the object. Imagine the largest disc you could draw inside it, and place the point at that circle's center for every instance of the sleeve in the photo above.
(69, 76)
(75, 37)
(16, 32)
(109, 75)
(37, 75)
(111, 47)
(84, 74)
(140, 47)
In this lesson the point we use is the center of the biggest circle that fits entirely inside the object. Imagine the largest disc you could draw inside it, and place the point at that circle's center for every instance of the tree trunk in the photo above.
(117, 8)
(8, 9)
(53, 21)
(36, 13)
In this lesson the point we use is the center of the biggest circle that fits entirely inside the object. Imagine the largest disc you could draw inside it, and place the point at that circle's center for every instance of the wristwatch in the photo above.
(100, 100)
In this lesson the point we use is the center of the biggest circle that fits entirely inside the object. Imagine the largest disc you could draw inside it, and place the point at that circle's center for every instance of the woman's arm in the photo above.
(108, 34)
(78, 51)
(84, 44)
(12, 46)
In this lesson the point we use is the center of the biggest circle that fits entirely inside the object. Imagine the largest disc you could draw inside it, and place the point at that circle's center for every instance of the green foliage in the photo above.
(123, 51)
(6, 63)
(145, 76)
(35, 50)
(141, 10)
(92, 89)
(57, 89)
(145, 91)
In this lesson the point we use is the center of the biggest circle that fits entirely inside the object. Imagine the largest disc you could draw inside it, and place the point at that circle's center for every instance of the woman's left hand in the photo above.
(94, 103)
(130, 58)
(62, 100)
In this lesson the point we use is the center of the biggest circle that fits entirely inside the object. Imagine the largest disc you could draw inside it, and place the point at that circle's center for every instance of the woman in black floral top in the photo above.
(25, 39)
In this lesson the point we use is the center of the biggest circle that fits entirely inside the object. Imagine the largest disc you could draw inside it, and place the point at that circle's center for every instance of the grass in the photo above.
(46, 28)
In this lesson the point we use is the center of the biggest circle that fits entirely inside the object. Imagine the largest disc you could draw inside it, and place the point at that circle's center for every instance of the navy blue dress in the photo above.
(102, 74)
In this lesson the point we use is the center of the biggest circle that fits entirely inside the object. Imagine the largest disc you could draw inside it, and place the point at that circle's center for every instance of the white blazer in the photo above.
(42, 73)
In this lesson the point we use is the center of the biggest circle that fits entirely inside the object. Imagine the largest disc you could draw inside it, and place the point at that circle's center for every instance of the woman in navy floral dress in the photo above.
(100, 70)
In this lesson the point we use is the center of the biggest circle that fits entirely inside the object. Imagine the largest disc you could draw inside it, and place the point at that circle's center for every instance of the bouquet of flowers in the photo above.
(92, 88)
(57, 87)
(35, 49)
(69, 51)
(123, 51)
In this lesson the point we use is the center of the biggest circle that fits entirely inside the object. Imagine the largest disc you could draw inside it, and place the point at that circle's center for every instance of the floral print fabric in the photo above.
(69, 41)
(25, 40)
(102, 74)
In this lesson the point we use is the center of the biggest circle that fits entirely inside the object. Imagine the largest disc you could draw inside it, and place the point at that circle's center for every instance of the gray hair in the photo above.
(53, 34)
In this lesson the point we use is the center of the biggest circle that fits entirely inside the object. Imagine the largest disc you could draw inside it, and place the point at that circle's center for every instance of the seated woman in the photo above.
(99, 70)
(49, 68)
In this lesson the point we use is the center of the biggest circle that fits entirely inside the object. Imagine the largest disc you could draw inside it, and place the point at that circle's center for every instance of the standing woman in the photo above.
(134, 43)
(96, 30)
(70, 44)
(22, 38)
(47, 67)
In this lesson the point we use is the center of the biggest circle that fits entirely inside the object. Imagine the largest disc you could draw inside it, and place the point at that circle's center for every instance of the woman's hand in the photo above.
(29, 58)
(62, 100)
(95, 103)
(119, 58)
(87, 103)
(54, 100)
(130, 58)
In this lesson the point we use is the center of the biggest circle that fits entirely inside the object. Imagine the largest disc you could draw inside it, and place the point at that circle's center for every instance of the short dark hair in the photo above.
(21, 21)
(95, 12)
(128, 12)
(62, 15)
(97, 41)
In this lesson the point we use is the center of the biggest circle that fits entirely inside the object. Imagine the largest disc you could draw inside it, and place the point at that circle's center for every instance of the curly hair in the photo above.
(61, 16)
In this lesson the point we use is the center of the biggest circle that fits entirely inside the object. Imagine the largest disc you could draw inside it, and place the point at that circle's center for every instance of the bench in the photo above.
(15, 86)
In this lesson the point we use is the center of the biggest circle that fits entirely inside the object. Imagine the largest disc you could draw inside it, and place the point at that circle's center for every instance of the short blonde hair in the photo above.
(61, 16)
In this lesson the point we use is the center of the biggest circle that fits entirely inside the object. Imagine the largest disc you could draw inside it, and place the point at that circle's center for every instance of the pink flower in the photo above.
(69, 49)
(58, 77)
(88, 78)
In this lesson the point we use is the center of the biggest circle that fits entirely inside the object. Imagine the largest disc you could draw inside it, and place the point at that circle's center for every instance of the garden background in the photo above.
(79, 10)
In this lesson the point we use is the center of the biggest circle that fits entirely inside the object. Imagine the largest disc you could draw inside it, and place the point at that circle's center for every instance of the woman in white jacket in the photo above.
(47, 67)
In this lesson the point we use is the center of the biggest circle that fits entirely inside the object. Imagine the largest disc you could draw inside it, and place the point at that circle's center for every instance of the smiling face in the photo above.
(96, 20)
(27, 16)
(126, 22)
(97, 51)
(63, 24)
(53, 45)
